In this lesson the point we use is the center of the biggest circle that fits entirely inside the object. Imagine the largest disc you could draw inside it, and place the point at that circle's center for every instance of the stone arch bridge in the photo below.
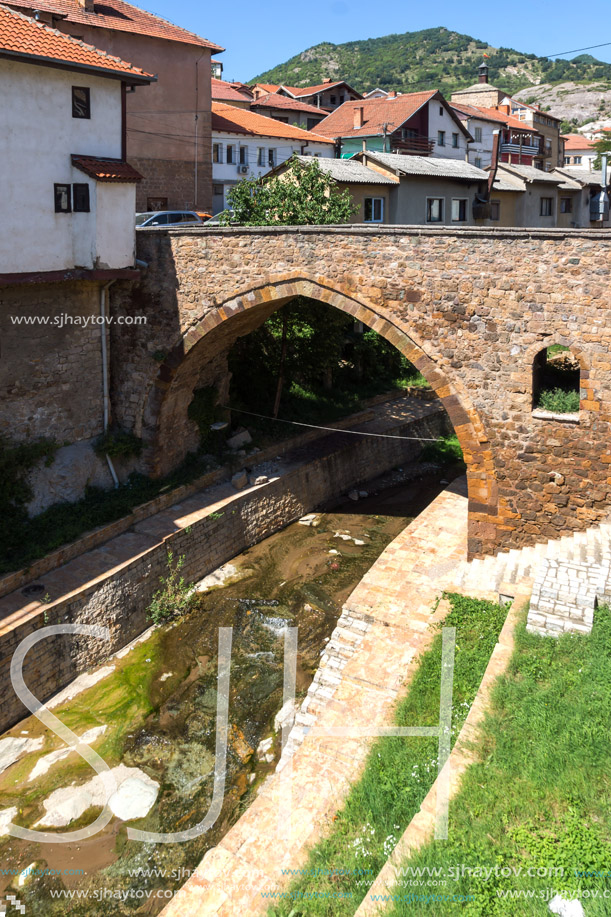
(470, 308)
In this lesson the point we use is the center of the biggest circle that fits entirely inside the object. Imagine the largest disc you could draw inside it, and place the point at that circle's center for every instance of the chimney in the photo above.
(483, 72)
(327, 80)
(86, 5)
(359, 120)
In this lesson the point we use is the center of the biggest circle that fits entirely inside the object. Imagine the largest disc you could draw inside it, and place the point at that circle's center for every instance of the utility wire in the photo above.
(313, 426)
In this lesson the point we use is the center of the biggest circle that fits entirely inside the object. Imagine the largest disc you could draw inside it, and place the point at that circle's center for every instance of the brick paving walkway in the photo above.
(390, 611)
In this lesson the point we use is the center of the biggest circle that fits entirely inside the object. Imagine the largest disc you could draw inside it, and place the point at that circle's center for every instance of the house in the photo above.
(327, 95)
(245, 144)
(483, 95)
(70, 202)
(427, 190)
(579, 152)
(168, 126)
(585, 185)
(417, 123)
(68, 232)
(370, 189)
(237, 94)
(530, 197)
(517, 142)
(288, 111)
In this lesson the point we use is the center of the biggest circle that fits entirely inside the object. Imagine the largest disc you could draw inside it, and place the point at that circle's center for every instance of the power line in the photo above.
(313, 426)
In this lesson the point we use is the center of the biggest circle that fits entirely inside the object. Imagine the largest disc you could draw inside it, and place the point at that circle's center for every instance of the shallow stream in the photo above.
(159, 708)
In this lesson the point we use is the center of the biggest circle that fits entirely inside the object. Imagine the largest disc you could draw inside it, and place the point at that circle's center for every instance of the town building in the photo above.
(547, 153)
(417, 123)
(288, 111)
(370, 189)
(237, 94)
(518, 143)
(70, 202)
(168, 126)
(246, 144)
(328, 95)
(579, 152)
(68, 233)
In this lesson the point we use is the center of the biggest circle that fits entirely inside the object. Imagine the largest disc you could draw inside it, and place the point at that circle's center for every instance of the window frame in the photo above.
(374, 201)
(543, 206)
(429, 201)
(81, 204)
(271, 157)
(243, 156)
(261, 157)
(461, 201)
(477, 134)
(566, 205)
(230, 150)
(217, 153)
(441, 138)
(56, 192)
(455, 141)
(87, 103)
(497, 204)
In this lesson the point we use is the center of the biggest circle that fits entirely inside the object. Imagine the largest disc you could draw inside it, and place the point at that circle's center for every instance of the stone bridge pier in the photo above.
(471, 309)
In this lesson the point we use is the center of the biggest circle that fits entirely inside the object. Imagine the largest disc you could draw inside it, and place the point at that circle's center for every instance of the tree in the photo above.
(601, 146)
(306, 195)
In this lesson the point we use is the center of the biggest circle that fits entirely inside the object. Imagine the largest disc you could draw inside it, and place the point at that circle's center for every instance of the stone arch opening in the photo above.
(197, 357)
(556, 380)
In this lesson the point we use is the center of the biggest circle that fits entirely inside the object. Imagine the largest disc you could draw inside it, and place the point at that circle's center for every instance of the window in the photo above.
(441, 110)
(577, 160)
(271, 158)
(230, 153)
(217, 152)
(566, 205)
(477, 133)
(374, 209)
(546, 208)
(80, 198)
(478, 162)
(567, 160)
(81, 102)
(455, 141)
(441, 138)
(243, 155)
(62, 198)
(459, 210)
(281, 118)
(495, 211)
(434, 209)
(333, 100)
(261, 156)
(556, 381)
(312, 122)
(341, 100)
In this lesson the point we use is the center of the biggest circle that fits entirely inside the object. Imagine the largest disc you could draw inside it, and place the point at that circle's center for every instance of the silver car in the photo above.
(169, 218)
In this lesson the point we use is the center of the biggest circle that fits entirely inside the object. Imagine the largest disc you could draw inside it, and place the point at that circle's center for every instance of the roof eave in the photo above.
(55, 63)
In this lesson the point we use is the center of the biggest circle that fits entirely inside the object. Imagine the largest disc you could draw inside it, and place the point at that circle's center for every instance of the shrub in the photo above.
(173, 598)
(559, 401)
(118, 444)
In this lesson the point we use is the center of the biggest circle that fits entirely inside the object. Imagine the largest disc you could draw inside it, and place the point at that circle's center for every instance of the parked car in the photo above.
(171, 217)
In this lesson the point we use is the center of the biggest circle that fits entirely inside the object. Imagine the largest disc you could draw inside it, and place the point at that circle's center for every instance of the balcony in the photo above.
(525, 144)
(412, 146)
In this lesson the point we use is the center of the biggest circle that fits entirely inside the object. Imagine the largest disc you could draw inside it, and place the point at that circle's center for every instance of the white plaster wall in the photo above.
(228, 172)
(482, 149)
(37, 136)
(446, 123)
(116, 238)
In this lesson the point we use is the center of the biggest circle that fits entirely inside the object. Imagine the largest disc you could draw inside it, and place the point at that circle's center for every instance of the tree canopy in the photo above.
(306, 195)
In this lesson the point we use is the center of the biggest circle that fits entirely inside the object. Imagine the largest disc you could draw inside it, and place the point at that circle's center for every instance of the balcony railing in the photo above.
(528, 145)
(414, 146)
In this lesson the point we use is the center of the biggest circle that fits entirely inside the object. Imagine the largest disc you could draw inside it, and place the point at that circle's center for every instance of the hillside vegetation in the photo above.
(446, 60)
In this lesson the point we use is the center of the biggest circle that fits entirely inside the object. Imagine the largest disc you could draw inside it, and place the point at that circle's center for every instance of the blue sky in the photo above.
(259, 35)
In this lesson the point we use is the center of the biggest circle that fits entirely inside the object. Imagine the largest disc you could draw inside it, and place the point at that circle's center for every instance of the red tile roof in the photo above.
(105, 169)
(376, 113)
(321, 87)
(223, 91)
(274, 100)
(492, 114)
(118, 16)
(25, 39)
(577, 142)
(229, 119)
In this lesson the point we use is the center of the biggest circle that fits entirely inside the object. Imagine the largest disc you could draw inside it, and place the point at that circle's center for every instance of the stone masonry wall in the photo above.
(119, 599)
(471, 308)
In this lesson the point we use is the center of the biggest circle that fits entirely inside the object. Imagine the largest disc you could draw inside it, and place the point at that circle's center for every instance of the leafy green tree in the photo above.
(601, 146)
(306, 196)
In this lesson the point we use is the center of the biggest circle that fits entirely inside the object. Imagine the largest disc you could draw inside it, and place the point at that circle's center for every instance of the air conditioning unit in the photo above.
(243, 170)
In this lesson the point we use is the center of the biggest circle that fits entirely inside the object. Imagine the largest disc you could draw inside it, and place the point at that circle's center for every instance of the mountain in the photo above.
(442, 59)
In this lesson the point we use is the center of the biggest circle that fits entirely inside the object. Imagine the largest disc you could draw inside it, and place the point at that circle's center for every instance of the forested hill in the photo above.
(435, 58)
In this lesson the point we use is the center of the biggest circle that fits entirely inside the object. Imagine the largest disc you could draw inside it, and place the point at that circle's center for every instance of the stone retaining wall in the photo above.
(118, 600)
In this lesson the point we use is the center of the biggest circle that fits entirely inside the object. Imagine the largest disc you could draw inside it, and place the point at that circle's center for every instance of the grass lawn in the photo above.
(397, 775)
(541, 795)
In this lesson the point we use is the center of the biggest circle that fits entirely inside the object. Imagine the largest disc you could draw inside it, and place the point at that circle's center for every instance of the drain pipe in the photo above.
(106, 398)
